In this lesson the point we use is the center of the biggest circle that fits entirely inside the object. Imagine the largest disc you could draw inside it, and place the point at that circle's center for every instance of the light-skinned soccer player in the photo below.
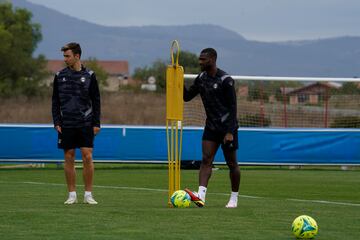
(76, 116)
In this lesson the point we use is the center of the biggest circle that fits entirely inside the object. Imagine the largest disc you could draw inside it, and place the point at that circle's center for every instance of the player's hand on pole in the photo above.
(96, 130)
(58, 128)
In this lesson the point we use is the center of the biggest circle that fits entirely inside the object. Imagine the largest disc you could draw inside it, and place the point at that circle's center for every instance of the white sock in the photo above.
(202, 192)
(87, 194)
(234, 196)
(72, 194)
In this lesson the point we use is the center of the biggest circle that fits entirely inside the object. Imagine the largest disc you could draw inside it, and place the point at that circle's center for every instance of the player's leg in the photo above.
(209, 149)
(66, 142)
(69, 168)
(229, 151)
(88, 168)
(210, 143)
(70, 175)
(234, 170)
(86, 143)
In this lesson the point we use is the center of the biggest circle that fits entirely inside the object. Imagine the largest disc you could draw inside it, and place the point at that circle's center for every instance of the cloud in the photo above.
(265, 20)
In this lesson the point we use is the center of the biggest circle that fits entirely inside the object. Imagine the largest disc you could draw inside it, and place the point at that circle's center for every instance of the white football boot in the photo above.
(232, 204)
(90, 200)
(70, 200)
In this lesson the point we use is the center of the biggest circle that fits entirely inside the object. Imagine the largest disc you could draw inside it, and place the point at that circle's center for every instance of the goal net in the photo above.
(288, 102)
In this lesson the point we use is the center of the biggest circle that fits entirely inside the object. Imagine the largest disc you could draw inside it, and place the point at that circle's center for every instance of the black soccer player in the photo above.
(76, 116)
(218, 95)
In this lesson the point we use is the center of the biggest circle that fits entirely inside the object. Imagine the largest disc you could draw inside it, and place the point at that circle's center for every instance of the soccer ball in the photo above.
(180, 199)
(304, 227)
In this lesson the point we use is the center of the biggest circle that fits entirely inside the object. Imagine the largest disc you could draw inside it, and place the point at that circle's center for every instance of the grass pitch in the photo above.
(133, 204)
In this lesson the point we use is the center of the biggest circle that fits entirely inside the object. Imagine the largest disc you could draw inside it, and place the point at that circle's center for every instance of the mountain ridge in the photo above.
(141, 45)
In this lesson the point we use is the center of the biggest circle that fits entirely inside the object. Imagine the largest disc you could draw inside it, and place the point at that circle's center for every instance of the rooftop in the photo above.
(111, 67)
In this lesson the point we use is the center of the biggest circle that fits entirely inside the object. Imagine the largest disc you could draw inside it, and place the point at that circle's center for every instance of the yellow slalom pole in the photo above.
(172, 159)
(174, 117)
(177, 160)
(169, 162)
(180, 149)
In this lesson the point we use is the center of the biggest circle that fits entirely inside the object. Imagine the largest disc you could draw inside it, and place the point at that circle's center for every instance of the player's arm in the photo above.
(95, 101)
(230, 99)
(55, 107)
(192, 91)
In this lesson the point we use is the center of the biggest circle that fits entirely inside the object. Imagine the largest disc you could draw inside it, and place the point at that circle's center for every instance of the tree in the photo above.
(348, 88)
(188, 60)
(20, 73)
(157, 70)
(101, 74)
(257, 91)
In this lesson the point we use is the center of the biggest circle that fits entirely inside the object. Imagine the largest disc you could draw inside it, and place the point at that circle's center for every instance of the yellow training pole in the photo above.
(174, 117)
(177, 160)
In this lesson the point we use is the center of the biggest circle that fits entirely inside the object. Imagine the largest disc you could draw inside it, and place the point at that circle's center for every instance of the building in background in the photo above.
(118, 72)
(312, 93)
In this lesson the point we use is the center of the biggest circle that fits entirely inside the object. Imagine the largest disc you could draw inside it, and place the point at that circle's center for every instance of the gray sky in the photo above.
(263, 20)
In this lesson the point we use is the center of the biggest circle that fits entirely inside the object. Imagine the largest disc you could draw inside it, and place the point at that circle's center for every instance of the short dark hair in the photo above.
(73, 46)
(210, 51)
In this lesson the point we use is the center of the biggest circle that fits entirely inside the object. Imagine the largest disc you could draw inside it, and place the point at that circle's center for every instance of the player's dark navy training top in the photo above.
(76, 99)
(219, 99)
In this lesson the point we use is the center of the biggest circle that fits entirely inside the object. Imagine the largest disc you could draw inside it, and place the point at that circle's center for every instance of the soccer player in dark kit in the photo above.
(218, 95)
(76, 116)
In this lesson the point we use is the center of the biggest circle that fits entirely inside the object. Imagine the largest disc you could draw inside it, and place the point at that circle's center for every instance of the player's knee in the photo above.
(234, 169)
(70, 156)
(206, 161)
(233, 165)
(69, 162)
(87, 158)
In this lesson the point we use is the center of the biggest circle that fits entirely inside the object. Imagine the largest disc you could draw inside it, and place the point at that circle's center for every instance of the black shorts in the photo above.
(218, 137)
(71, 138)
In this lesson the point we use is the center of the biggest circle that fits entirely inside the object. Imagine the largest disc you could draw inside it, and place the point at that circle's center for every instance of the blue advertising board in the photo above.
(121, 143)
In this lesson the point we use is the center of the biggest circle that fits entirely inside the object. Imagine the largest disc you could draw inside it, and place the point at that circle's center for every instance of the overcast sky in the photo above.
(263, 20)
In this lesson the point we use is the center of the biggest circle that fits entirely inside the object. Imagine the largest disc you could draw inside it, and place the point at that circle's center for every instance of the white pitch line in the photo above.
(240, 195)
(127, 188)
(165, 190)
(324, 202)
(99, 186)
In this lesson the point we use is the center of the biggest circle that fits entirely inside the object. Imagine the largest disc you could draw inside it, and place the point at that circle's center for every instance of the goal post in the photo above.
(288, 102)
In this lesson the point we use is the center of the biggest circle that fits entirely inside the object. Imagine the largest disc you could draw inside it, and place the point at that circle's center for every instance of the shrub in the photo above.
(346, 122)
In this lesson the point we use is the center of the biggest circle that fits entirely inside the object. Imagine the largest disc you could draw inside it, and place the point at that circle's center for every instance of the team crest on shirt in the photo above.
(64, 79)
(82, 79)
(215, 86)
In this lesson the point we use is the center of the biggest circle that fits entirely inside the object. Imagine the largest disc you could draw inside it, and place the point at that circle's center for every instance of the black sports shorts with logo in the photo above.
(71, 138)
(218, 137)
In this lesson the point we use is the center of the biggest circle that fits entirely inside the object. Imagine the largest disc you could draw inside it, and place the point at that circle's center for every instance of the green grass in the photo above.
(31, 205)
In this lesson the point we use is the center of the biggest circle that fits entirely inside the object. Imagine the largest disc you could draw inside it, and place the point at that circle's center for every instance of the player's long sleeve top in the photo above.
(76, 99)
(219, 98)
